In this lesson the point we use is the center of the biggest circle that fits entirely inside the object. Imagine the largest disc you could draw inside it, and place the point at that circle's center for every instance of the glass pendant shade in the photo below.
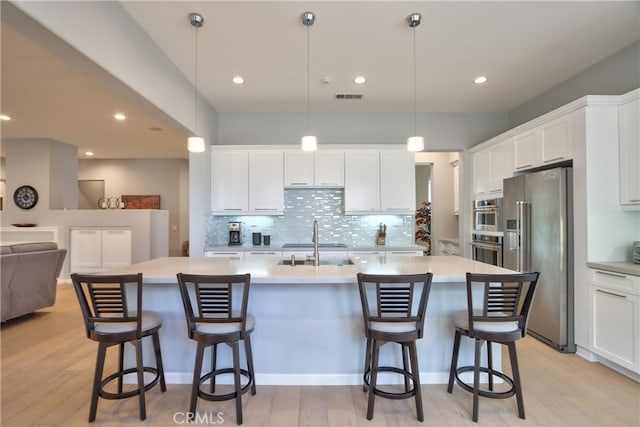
(415, 143)
(195, 144)
(309, 143)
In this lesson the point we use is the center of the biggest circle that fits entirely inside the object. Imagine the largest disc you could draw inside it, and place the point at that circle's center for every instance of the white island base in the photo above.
(309, 326)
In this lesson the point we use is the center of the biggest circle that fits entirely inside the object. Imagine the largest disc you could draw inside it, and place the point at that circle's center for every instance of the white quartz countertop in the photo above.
(267, 248)
(617, 267)
(267, 271)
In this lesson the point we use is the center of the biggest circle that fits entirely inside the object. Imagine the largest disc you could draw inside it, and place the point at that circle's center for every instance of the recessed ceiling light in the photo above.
(360, 80)
(88, 153)
(119, 116)
(238, 80)
(480, 79)
(4, 117)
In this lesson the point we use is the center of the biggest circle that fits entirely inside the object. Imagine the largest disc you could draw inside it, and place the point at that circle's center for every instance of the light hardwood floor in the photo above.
(47, 366)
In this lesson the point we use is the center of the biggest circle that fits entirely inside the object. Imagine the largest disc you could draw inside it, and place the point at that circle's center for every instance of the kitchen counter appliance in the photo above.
(487, 249)
(235, 233)
(537, 220)
(487, 215)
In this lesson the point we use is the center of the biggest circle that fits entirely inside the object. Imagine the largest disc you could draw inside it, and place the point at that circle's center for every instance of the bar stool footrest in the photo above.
(108, 395)
(486, 393)
(388, 394)
(227, 396)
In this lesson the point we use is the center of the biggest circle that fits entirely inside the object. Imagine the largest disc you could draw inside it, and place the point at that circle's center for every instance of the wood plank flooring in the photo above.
(47, 366)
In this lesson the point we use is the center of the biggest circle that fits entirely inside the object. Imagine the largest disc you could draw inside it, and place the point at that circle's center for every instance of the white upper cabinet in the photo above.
(229, 181)
(247, 182)
(398, 182)
(629, 128)
(545, 144)
(379, 181)
(489, 169)
(323, 168)
(361, 181)
(298, 169)
(266, 190)
(329, 168)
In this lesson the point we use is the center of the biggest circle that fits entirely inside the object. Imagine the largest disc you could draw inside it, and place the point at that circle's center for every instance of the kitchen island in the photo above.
(309, 327)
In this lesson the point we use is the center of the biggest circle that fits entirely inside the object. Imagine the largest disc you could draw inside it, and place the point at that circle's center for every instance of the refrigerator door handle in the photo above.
(523, 254)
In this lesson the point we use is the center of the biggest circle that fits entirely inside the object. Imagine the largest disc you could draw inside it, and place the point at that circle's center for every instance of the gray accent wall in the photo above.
(615, 75)
(442, 131)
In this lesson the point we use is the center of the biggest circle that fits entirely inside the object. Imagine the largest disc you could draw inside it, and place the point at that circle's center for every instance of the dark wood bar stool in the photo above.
(110, 320)
(392, 316)
(497, 314)
(216, 312)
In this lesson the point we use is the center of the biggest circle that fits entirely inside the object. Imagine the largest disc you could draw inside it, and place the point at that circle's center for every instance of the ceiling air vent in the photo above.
(348, 96)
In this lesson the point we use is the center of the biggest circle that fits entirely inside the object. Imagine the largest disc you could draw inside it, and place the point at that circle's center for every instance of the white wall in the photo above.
(443, 222)
(148, 177)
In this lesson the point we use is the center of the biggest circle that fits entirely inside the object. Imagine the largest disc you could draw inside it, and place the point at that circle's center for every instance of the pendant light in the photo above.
(196, 144)
(308, 142)
(415, 142)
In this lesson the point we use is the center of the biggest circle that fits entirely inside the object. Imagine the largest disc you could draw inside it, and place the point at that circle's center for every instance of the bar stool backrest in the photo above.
(506, 298)
(215, 299)
(394, 298)
(103, 300)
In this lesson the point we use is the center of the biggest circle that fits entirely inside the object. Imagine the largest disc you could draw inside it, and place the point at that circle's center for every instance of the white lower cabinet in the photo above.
(96, 250)
(225, 254)
(615, 318)
(393, 253)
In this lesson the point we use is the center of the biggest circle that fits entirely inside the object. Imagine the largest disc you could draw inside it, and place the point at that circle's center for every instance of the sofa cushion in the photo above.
(5, 250)
(19, 248)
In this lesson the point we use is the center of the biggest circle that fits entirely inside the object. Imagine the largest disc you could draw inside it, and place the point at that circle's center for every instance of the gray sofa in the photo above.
(29, 277)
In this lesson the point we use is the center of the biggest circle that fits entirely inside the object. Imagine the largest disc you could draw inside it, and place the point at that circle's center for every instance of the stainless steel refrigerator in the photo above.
(538, 227)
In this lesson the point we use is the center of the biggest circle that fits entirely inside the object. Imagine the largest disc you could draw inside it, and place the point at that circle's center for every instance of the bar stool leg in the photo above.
(236, 380)
(367, 364)
(405, 365)
(195, 386)
(374, 377)
(490, 364)
(476, 379)
(140, 371)
(214, 358)
(516, 378)
(415, 371)
(454, 360)
(120, 365)
(249, 354)
(159, 365)
(97, 379)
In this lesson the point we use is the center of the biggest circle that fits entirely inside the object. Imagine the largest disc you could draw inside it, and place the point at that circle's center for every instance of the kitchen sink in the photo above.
(336, 261)
(310, 245)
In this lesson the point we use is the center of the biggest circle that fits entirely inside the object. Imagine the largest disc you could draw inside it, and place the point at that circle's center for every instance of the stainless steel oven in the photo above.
(487, 249)
(487, 215)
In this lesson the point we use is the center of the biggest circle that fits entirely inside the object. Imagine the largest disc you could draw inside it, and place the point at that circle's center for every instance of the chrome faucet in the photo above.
(316, 254)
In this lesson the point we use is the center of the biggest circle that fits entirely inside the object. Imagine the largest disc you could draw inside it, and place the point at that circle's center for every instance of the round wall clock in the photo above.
(25, 197)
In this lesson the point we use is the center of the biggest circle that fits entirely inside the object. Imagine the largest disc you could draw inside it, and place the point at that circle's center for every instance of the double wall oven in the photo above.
(486, 243)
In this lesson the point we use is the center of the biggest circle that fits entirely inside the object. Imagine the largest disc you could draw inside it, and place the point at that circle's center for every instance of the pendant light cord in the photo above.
(196, 81)
(415, 102)
(308, 84)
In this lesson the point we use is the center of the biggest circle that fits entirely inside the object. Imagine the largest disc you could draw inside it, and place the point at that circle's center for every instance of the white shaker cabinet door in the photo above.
(298, 169)
(629, 123)
(397, 182)
(556, 140)
(361, 181)
(266, 182)
(85, 250)
(229, 181)
(527, 149)
(116, 248)
(329, 168)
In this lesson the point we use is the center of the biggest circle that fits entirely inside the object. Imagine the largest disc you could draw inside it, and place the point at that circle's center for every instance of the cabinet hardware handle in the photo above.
(611, 293)
(398, 209)
(634, 200)
(232, 209)
(329, 183)
(607, 273)
(298, 183)
(265, 209)
(523, 166)
(553, 160)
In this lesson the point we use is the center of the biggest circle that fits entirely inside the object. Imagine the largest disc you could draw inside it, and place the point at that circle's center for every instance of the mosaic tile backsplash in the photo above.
(302, 207)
